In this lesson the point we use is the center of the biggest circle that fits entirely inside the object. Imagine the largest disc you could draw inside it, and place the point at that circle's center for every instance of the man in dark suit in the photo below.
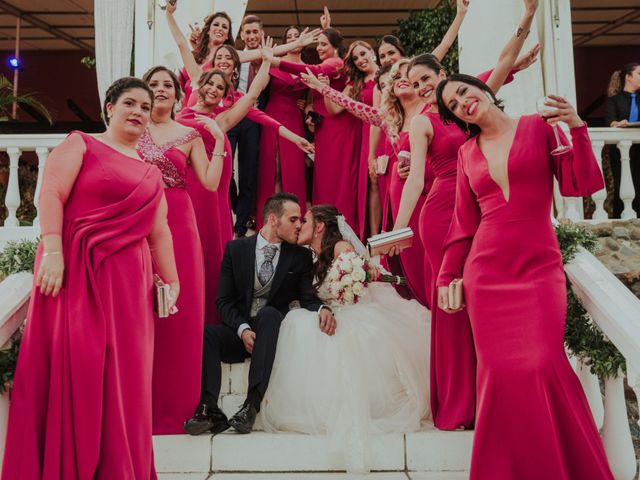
(260, 276)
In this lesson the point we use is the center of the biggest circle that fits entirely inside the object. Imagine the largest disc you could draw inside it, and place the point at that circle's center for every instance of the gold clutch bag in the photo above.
(456, 297)
(161, 297)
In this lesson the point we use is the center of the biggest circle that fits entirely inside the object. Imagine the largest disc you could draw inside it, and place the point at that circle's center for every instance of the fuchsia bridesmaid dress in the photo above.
(177, 358)
(81, 401)
(533, 421)
(284, 91)
(413, 260)
(366, 97)
(213, 215)
(337, 142)
(453, 362)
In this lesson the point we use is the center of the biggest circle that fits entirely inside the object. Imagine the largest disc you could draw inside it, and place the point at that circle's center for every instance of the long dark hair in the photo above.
(336, 40)
(201, 52)
(286, 30)
(120, 87)
(353, 72)
(327, 214)
(174, 79)
(206, 76)
(616, 84)
(234, 56)
(447, 115)
(428, 60)
(391, 40)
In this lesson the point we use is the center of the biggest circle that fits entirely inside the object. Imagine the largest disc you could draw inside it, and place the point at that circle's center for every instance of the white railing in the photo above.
(616, 310)
(623, 138)
(14, 300)
(14, 146)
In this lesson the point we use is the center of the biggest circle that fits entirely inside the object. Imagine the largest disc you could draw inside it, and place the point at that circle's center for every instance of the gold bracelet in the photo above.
(46, 254)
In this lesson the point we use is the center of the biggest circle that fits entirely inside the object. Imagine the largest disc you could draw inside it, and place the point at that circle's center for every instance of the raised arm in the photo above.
(208, 171)
(360, 110)
(420, 132)
(329, 67)
(512, 49)
(577, 170)
(306, 38)
(193, 69)
(60, 172)
(452, 33)
(230, 118)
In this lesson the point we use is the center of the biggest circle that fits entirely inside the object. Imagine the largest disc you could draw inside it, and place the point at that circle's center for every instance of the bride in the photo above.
(371, 377)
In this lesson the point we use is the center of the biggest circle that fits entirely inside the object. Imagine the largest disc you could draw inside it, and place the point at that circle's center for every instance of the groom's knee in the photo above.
(269, 318)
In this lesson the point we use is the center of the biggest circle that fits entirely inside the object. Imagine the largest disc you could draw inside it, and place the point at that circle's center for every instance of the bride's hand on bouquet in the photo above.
(443, 300)
(248, 337)
(328, 322)
(374, 273)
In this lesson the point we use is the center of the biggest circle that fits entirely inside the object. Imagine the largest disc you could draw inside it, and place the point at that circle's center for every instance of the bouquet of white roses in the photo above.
(349, 276)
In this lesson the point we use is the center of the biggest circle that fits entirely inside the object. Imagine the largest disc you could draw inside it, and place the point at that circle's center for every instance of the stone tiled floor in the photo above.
(319, 476)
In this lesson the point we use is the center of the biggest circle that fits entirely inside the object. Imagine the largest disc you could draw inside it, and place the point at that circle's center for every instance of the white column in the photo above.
(42, 153)
(12, 199)
(627, 191)
(4, 422)
(616, 435)
(601, 195)
(480, 47)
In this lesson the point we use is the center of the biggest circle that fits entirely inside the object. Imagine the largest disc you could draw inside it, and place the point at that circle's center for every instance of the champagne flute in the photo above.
(544, 110)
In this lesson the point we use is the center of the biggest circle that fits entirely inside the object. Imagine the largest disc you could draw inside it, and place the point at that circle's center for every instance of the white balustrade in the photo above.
(15, 146)
(14, 300)
(623, 138)
(616, 310)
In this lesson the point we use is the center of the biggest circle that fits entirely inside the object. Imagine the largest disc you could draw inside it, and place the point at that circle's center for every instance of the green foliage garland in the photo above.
(583, 337)
(18, 257)
(423, 30)
(8, 362)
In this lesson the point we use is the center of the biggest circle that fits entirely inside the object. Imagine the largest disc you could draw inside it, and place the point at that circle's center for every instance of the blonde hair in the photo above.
(390, 106)
(353, 72)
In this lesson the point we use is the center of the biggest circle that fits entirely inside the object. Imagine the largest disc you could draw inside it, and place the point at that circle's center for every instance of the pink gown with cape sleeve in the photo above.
(78, 408)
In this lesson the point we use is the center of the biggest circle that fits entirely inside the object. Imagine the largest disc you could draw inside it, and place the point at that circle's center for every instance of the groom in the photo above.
(260, 276)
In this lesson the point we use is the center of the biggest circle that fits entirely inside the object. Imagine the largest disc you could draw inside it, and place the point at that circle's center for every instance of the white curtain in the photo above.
(114, 41)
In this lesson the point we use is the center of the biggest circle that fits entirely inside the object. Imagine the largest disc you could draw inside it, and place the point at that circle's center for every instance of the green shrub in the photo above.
(18, 257)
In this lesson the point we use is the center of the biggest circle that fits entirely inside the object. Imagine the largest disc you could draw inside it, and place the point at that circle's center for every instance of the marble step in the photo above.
(317, 476)
(426, 451)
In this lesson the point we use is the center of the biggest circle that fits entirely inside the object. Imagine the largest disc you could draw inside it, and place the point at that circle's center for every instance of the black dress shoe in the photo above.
(206, 419)
(243, 421)
(220, 421)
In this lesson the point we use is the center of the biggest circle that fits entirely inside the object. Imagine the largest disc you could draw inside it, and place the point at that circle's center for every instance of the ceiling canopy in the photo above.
(68, 24)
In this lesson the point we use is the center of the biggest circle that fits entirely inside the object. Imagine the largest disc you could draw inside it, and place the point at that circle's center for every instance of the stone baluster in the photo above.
(42, 153)
(573, 209)
(12, 200)
(616, 435)
(591, 387)
(601, 195)
(627, 191)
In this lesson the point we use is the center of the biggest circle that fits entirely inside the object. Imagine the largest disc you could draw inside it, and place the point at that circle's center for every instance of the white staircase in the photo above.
(429, 454)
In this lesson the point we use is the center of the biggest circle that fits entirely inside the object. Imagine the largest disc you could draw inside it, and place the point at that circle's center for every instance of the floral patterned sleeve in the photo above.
(364, 112)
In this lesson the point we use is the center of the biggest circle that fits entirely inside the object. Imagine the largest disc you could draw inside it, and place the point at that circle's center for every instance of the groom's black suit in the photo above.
(292, 280)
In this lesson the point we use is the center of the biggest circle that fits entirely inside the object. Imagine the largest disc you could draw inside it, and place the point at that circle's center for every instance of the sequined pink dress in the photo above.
(178, 339)
(533, 421)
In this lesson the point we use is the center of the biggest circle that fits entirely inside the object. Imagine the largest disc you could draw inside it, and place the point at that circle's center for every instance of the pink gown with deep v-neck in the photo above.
(533, 421)
(177, 358)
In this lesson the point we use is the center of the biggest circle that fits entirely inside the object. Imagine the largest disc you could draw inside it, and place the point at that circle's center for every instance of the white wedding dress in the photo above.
(371, 377)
